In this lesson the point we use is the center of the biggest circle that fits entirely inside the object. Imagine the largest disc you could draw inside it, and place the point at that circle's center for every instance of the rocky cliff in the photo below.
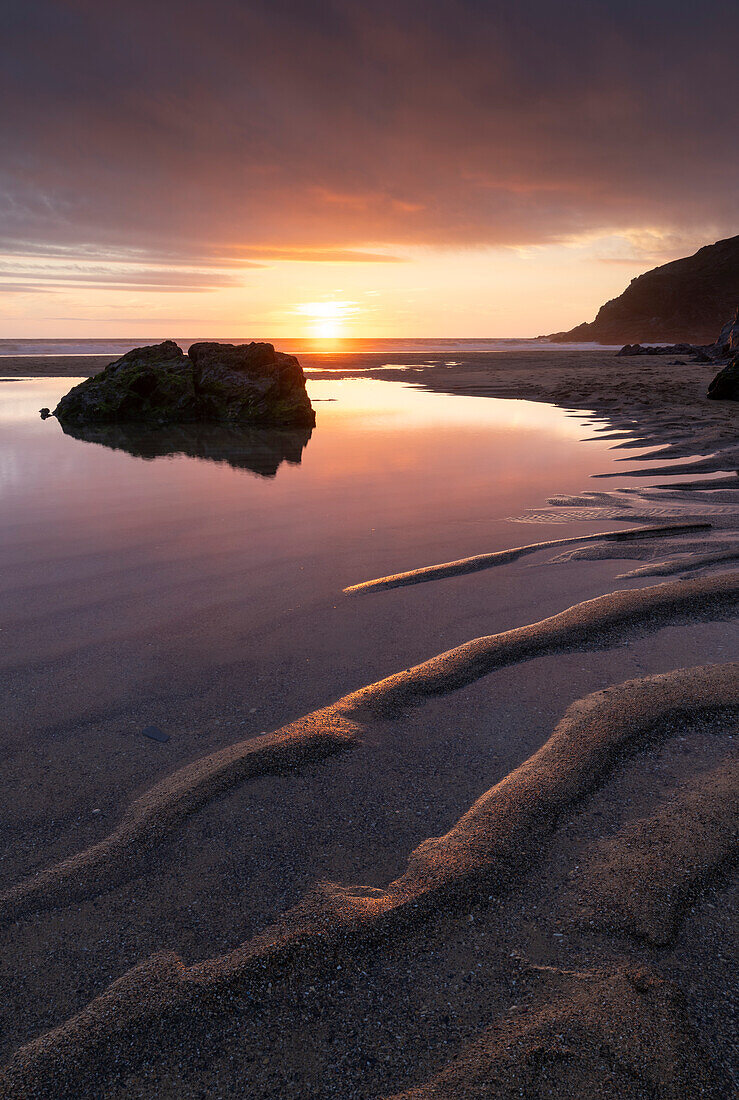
(686, 300)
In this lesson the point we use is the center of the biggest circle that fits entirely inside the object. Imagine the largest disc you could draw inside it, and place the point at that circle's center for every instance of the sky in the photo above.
(409, 168)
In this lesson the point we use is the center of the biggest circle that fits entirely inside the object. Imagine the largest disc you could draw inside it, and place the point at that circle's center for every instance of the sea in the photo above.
(391, 345)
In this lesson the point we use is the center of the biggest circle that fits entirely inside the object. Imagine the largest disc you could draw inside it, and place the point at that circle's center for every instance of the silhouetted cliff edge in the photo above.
(686, 300)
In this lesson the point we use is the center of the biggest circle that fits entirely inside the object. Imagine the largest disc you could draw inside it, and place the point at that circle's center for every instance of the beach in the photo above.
(460, 823)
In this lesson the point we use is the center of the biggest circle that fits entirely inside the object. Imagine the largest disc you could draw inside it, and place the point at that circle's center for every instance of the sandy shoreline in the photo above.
(497, 954)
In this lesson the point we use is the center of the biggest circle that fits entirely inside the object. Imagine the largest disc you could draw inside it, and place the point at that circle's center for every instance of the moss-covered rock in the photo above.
(251, 383)
(222, 383)
(154, 383)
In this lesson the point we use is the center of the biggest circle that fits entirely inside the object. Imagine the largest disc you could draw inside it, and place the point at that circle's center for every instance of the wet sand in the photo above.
(582, 745)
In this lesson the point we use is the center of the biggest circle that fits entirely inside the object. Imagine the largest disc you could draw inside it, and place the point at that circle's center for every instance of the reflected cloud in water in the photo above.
(261, 451)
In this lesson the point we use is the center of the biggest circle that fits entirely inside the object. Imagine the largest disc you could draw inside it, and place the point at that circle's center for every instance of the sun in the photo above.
(327, 330)
(327, 319)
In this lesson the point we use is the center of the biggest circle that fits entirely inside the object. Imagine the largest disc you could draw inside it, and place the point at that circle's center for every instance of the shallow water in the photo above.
(388, 470)
(128, 584)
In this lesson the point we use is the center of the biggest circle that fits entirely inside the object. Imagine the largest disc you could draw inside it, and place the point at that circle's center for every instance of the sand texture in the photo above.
(503, 557)
(156, 813)
(641, 880)
(159, 810)
(618, 1036)
(488, 845)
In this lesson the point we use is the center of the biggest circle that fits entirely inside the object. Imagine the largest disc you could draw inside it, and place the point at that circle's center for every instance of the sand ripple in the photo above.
(161, 809)
(502, 557)
(642, 879)
(623, 1035)
(166, 805)
(487, 846)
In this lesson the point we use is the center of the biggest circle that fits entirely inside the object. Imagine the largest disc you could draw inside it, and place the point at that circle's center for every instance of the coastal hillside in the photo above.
(686, 300)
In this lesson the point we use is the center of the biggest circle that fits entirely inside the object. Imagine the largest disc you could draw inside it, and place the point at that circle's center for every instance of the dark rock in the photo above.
(44, 413)
(153, 383)
(224, 383)
(725, 386)
(728, 341)
(659, 349)
(688, 300)
(252, 383)
(259, 450)
(701, 354)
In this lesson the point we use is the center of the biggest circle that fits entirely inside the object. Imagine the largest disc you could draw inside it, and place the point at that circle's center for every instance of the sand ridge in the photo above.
(487, 845)
(640, 880)
(620, 1035)
(502, 557)
(719, 556)
(161, 809)
(593, 623)
(608, 1032)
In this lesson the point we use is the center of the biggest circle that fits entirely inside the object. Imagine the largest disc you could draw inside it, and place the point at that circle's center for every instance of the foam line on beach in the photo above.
(164, 807)
(641, 880)
(478, 562)
(488, 846)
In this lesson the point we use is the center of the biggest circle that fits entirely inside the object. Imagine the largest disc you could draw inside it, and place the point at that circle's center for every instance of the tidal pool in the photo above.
(141, 569)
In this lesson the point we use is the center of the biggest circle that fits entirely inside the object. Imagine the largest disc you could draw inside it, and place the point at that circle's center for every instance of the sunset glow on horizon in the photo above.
(431, 169)
(483, 292)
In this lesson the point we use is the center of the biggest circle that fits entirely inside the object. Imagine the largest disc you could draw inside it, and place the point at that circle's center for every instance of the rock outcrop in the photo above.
(660, 349)
(686, 300)
(218, 383)
(728, 341)
(725, 386)
(725, 347)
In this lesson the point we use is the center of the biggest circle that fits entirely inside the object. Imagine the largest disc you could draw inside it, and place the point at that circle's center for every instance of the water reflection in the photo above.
(259, 450)
(127, 584)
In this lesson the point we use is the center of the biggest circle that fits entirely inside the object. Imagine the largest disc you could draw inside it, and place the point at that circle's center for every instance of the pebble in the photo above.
(155, 734)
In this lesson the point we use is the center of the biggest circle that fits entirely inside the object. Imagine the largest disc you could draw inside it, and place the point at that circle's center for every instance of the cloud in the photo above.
(22, 288)
(61, 269)
(314, 255)
(155, 279)
(343, 131)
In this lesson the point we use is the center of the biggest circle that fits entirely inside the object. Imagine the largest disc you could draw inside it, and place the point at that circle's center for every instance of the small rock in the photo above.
(155, 734)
